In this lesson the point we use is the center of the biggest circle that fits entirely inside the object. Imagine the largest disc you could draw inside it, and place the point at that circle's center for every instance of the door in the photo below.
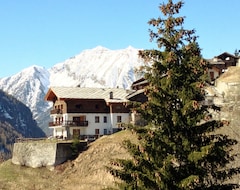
(96, 131)
(212, 75)
(76, 133)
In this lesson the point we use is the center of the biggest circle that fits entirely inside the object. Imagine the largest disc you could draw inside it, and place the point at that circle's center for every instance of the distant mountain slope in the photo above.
(15, 121)
(97, 67)
(8, 134)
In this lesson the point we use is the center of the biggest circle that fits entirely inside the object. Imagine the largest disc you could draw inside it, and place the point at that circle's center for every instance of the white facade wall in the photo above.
(103, 128)
(60, 131)
(125, 118)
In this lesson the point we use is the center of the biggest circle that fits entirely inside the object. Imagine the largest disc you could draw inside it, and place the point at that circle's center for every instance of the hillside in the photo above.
(86, 172)
(15, 121)
(7, 137)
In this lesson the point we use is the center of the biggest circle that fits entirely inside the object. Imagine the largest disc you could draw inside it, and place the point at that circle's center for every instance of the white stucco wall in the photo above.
(92, 125)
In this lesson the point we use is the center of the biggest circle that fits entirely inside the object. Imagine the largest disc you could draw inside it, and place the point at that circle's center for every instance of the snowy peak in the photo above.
(99, 49)
(28, 86)
(30, 73)
(97, 67)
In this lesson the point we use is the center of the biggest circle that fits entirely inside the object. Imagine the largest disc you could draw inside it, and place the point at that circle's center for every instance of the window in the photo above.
(96, 131)
(96, 119)
(119, 119)
(212, 75)
(96, 106)
(105, 119)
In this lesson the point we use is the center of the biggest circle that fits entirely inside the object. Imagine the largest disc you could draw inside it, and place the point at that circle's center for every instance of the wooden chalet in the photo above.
(138, 95)
(219, 64)
(82, 112)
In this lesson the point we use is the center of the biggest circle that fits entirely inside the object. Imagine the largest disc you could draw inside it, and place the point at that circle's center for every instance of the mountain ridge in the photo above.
(97, 67)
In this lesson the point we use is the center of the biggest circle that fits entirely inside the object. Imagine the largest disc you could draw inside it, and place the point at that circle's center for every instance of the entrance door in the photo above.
(212, 75)
(96, 131)
(76, 133)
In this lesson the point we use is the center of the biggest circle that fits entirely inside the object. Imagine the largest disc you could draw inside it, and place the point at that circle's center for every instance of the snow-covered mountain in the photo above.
(28, 86)
(97, 67)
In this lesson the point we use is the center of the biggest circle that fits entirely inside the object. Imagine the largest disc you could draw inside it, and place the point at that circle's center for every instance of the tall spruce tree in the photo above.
(179, 148)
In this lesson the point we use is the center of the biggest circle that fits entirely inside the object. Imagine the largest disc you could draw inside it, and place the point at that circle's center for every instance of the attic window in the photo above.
(227, 58)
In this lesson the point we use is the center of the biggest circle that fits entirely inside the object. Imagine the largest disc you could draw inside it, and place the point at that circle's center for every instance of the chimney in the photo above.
(111, 95)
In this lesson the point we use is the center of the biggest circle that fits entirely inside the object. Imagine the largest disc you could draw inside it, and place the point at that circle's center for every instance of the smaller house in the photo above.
(83, 112)
(138, 95)
(219, 64)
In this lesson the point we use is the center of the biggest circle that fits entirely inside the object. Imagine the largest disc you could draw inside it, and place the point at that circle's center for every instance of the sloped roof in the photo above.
(119, 94)
(226, 54)
(137, 92)
(216, 61)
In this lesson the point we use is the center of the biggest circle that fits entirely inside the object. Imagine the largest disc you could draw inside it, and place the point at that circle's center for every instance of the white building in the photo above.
(81, 112)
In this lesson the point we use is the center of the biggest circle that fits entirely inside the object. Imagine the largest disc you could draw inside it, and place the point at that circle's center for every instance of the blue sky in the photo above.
(46, 32)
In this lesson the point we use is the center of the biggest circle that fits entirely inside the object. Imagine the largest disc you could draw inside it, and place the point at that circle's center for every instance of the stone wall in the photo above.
(41, 154)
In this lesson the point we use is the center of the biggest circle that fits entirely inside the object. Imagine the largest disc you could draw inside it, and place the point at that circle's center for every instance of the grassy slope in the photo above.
(86, 172)
(23, 178)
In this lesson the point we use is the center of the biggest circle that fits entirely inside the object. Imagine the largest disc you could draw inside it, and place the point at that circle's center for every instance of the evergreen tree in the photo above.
(75, 147)
(236, 52)
(179, 148)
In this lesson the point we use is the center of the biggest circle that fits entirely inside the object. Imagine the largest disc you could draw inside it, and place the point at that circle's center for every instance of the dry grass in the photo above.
(232, 75)
(86, 172)
(24, 178)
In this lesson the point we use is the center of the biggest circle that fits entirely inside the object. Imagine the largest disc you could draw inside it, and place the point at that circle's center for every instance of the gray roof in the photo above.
(216, 61)
(119, 94)
(135, 93)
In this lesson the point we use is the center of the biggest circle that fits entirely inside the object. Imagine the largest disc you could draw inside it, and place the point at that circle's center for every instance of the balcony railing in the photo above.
(56, 111)
(69, 123)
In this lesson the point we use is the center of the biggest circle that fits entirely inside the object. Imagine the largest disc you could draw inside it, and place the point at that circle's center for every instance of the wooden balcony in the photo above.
(56, 111)
(69, 123)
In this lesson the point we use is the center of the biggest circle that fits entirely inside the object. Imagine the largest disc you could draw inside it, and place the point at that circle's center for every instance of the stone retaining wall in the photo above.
(41, 154)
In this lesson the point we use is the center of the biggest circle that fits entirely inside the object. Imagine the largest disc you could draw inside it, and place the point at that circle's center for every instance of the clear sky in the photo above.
(46, 32)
